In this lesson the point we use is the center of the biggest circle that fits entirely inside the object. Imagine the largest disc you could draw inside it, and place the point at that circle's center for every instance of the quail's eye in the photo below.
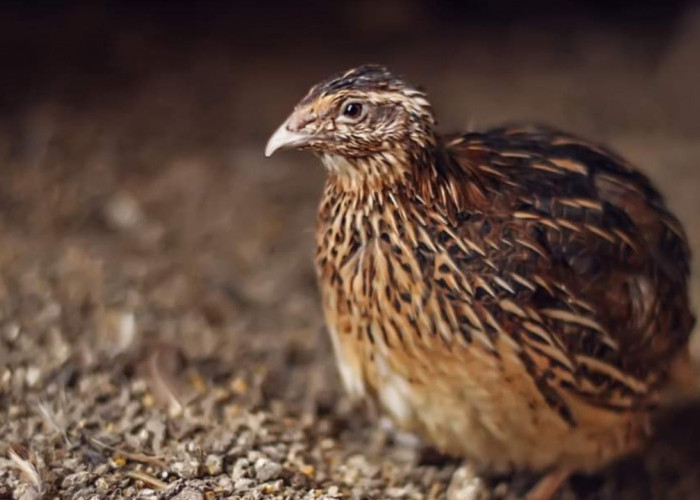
(352, 110)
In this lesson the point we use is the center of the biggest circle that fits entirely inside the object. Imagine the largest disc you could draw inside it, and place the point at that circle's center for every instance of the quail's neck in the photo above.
(374, 172)
(390, 169)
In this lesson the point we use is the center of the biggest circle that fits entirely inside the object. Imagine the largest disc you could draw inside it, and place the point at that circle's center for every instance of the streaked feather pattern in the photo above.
(516, 295)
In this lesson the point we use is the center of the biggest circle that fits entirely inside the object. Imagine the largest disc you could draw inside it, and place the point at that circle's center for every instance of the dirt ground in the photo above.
(160, 331)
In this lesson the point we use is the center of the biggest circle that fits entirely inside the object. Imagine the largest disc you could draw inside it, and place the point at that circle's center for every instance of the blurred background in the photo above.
(160, 331)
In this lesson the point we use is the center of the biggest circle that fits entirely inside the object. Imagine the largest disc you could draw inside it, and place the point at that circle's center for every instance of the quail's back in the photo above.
(517, 296)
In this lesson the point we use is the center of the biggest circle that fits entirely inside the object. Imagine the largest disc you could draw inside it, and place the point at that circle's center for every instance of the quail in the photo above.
(516, 296)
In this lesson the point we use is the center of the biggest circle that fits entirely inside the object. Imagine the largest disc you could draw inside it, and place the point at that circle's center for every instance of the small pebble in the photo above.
(189, 494)
(267, 470)
(214, 464)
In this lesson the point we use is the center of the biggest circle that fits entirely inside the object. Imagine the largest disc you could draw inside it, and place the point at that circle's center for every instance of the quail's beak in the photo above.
(286, 137)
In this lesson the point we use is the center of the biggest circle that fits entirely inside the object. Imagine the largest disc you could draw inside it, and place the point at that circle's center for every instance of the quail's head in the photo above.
(363, 114)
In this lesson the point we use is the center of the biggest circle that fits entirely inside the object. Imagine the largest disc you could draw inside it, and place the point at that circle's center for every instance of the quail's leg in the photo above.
(548, 485)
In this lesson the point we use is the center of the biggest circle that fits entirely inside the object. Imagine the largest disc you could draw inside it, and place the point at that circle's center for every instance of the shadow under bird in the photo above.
(517, 297)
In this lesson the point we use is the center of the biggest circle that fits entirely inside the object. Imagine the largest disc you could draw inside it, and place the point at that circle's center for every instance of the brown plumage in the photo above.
(516, 296)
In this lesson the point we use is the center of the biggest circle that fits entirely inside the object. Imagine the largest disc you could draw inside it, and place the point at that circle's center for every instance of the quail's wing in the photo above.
(586, 265)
